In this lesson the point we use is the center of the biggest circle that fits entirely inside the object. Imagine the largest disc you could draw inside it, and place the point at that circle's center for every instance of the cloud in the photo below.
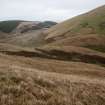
(57, 10)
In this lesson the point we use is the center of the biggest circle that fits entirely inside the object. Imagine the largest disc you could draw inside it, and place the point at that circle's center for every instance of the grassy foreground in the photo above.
(21, 86)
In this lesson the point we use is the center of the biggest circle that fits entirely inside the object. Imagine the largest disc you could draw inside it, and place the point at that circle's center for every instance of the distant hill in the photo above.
(8, 26)
(47, 24)
(24, 33)
(23, 26)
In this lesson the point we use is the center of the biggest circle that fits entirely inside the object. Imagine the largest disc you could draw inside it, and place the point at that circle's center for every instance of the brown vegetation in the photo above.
(68, 70)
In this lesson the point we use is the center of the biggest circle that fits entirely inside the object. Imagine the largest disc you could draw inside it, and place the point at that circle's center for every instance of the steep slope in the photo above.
(92, 22)
(91, 41)
(87, 30)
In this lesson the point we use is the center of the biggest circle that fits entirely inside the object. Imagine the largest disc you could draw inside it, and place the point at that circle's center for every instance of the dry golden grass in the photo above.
(60, 66)
(23, 86)
(80, 40)
(42, 81)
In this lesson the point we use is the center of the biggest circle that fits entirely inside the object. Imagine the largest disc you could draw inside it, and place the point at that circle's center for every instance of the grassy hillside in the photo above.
(91, 41)
(88, 23)
(8, 26)
(67, 71)
(86, 30)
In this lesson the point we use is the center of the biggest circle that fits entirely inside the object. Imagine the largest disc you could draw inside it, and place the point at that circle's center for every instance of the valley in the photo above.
(45, 63)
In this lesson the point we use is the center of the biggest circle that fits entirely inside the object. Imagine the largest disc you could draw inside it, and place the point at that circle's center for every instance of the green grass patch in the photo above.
(8, 26)
(95, 22)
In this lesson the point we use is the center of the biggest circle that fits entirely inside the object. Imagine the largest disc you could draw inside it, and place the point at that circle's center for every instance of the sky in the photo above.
(41, 10)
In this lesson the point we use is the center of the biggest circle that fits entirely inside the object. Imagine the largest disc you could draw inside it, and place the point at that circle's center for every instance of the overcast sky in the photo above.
(40, 10)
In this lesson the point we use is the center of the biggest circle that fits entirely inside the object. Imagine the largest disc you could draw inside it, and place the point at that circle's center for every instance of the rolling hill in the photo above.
(42, 64)
(24, 33)
(23, 26)
(86, 30)
(88, 23)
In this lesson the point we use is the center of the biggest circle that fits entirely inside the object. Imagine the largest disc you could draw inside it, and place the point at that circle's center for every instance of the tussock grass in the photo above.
(20, 86)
